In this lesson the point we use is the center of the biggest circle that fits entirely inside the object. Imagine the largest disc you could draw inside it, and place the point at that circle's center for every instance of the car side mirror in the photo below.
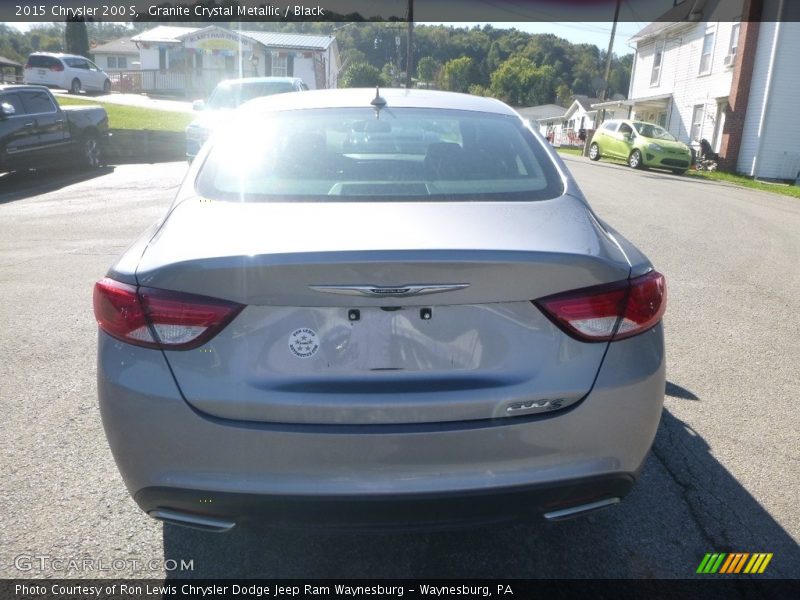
(198, 105)
(7, 110)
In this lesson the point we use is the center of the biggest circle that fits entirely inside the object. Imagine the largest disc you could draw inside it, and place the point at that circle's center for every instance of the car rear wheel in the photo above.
(635, 160)
(75, 86)
(91, 153)
(107, 86)
(594, 152)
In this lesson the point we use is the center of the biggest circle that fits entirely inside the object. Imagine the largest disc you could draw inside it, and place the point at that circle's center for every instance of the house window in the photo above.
(280, 67)
(658, 58)
(705, 56)
(162, 59)
(117, 62)
(697, 122)
(734, 45)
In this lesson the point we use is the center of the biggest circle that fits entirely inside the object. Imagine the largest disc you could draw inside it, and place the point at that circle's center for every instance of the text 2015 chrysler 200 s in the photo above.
(378, 310)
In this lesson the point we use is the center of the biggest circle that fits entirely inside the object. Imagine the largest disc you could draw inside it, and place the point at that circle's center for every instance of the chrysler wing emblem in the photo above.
(392, 291)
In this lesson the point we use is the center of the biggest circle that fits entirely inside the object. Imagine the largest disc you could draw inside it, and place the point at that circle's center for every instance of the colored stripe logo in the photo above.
(734, 563)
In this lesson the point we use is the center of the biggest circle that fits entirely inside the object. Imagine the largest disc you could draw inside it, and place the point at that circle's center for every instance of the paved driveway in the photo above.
(723, 476)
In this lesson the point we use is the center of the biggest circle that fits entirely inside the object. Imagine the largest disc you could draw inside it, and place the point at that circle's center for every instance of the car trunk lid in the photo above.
(450, 335)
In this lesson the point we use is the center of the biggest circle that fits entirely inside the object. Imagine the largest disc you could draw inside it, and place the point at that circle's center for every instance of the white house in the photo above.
(119, 55)
(194, 60)
(726, 71)
(565, 129)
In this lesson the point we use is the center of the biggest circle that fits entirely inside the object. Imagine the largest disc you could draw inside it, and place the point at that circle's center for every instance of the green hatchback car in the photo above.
(641, 145)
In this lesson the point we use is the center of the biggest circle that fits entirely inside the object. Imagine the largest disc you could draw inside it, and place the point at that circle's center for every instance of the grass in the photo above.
(134, 117)
(740, 180)
(569, 150)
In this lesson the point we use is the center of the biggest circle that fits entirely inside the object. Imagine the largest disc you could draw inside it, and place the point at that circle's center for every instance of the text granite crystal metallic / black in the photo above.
(252, 369)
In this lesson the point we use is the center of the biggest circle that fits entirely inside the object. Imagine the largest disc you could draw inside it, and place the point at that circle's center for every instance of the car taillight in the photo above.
(609, 312)
(156, 318)
(57, 67)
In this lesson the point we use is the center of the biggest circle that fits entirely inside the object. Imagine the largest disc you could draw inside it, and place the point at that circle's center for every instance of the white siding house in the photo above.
(770, 147)
(727, 72)
(682, 77)
(193, 60)
(565, 129)
(119, 55)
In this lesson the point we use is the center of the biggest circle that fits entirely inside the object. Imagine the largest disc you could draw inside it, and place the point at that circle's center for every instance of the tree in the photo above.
(427, 68)
(455, 74)
(361, 75)
(76, 38)
(520, 82)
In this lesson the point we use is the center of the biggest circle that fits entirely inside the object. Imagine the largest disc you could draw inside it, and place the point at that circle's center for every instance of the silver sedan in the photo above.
(377, 309)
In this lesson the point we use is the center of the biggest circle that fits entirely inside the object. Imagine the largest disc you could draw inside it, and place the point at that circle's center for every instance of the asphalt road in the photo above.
(724, 474)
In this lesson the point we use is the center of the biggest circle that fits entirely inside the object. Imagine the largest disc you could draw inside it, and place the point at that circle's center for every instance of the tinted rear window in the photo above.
(232, 95)
(43, 62)
(349, 155)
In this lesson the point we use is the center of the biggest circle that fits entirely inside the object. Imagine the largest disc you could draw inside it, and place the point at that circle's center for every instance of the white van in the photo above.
(68, 71)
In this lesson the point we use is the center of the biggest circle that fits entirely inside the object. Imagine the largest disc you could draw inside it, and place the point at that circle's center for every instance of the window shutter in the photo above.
(290, 65)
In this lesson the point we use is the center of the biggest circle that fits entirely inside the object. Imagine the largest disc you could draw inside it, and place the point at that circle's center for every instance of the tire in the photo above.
(679, 171)
(91, 155)
(75, 86)
(107, 86)
(594, 152)
(635, 160)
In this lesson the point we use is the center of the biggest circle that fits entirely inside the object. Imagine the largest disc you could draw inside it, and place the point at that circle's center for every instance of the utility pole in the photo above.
(410, 49)
(608, 64)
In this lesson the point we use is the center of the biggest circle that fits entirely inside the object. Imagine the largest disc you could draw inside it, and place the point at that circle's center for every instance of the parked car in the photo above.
(36, 132)
(228, 95)
(323, 334)
(641, 144)
(66, 71)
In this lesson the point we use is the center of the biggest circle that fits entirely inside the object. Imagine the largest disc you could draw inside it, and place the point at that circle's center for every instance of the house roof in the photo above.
(543, 111)
(167, 34)
(690, 13)
(7, 62)
(163, 34)
(290, 40)
(585, 102)
(120, 46)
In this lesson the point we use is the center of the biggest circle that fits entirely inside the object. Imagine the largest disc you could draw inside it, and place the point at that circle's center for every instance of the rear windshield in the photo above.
(232, 95)
(42, 62)
(342, 154)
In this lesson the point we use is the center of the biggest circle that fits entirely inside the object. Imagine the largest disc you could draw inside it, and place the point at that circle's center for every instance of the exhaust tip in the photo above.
(193, 521)
(581, 509)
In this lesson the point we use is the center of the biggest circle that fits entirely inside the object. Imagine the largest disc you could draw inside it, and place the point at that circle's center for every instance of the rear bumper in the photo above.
(403, 511)
(174, 457)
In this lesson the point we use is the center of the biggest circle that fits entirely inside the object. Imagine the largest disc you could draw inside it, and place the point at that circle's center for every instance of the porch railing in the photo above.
(195, 83)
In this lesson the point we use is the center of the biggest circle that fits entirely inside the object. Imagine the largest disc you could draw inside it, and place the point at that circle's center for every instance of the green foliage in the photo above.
(361, 75)
(427, 68)
(520, 82)
(456, 74)
(76, 38)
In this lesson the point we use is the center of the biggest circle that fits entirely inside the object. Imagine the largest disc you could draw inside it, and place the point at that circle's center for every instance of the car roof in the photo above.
(56, 55)
(20, 87)
(394, 97)
(262, 80)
